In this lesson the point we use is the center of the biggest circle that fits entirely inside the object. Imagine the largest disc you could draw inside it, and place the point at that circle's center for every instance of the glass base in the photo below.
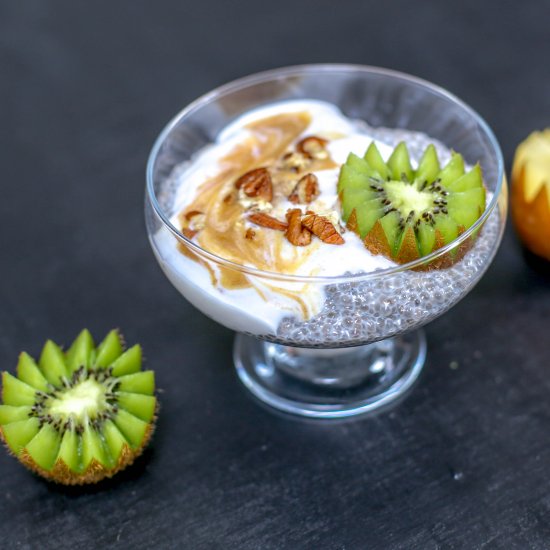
(330, 383)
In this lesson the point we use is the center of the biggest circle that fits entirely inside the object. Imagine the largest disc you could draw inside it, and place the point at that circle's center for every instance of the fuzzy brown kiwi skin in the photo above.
(376, 242)
(95, 472)
(448, 259)
(352, 222)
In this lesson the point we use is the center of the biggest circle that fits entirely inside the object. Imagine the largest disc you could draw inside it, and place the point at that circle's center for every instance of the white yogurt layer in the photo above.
(259, 310)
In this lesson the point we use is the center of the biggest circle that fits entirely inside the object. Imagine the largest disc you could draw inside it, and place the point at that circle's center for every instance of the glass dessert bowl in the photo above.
(328, 326)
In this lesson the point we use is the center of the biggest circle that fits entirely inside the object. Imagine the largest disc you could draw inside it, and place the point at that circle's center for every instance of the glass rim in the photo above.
(266, 76)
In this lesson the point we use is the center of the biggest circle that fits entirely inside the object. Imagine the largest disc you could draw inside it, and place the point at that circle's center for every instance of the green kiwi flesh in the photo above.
(79, 416)
(406, 213)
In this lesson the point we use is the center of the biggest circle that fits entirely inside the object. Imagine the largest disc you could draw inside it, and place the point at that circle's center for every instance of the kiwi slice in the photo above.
(79, 416)
(406, 213)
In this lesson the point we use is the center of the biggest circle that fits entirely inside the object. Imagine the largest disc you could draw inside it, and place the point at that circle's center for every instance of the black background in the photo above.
(85, 87)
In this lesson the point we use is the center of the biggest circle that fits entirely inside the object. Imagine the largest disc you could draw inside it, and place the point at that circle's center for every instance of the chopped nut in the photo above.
(296, 233)
(192, 213)
(250, 234)
(322, 228)
(331, 215)
(265, 220)
(195, 220)
(256, 206)
(295, 161)
(313, 147)
(306, 190)
(256, 184)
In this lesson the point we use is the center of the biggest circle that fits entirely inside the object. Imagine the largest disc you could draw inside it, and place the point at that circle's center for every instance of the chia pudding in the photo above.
(331, 292)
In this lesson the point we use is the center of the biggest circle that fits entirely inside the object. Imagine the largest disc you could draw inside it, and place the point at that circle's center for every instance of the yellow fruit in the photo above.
(531, 192)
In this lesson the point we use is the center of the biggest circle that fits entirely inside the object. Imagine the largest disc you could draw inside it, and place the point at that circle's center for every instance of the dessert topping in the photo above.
(195, 220)
(256, 184)
(295, 162)
(313, 147)
(306, 190)
(405, 213)
(265, 220)
(323, 228)
(296, 233)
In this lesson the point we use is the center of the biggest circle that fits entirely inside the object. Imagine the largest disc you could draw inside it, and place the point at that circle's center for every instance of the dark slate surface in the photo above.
(464, 462)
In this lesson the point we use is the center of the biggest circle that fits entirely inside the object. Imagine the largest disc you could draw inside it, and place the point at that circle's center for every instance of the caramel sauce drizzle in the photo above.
(224, 232)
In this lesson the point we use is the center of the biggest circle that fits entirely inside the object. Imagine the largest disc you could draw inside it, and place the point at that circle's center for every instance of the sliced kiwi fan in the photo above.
(404, 213)
(80, 416)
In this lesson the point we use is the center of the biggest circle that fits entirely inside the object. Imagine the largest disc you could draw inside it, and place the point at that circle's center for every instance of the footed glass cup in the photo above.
(363, 348)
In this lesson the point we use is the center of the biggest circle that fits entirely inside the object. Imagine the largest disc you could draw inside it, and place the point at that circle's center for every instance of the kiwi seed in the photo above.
(80, 416)
(404, 213)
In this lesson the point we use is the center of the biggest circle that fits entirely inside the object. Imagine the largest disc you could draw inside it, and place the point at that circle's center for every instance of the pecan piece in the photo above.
(250, 234)
(296, 233)
(296, 162)
(264, 220)
(306, 190)
(192, 213)
(323, 228)
(313, 147)
(194, 222)
(256, 184)
(195, 219)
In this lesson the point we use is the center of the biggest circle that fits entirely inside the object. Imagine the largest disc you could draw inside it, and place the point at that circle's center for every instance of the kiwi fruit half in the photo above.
(406, 213)
(79, 416)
